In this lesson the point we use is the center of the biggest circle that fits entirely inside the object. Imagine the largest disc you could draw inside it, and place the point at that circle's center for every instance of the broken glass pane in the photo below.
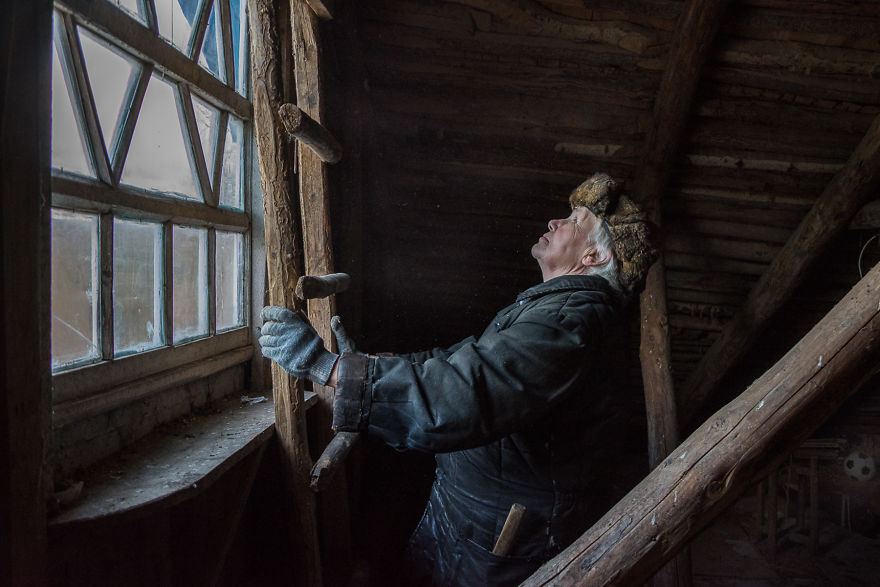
(190, 283)
(231, 176)
(67, 146)
(175, 19)
(229, 267)
(211, 55)
(109, 74)
(157, 159)
(207, 120)
(130, 6)
(240, 44)
(137, 286)
(74, 288)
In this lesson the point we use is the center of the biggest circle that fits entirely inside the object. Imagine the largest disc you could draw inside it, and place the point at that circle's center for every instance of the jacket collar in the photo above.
(568, 283)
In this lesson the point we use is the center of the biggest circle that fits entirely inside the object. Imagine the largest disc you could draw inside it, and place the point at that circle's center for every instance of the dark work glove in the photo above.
(291, 342)
(343, 341)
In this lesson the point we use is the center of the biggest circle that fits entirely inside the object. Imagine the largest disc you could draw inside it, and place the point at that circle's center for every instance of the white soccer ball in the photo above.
(859, 466)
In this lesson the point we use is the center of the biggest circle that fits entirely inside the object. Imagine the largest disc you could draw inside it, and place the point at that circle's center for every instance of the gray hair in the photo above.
(601, 236)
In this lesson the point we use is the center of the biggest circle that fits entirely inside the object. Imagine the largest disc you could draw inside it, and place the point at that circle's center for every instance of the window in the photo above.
(151, 180)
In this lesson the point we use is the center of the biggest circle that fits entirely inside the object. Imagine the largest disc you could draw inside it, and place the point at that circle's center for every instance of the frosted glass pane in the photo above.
(130, 6)
(190, 283)
(108, 74)
(211, 54)
(231, 176)
(157, 159)
(137, 286)
(207, 120)
(67, 146)
(229, 268)
(74, 288)
(240, 44)
(175, 19)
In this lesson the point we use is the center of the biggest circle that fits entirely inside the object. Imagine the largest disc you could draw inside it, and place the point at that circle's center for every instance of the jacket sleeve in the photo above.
(436, 353)
(484, 390)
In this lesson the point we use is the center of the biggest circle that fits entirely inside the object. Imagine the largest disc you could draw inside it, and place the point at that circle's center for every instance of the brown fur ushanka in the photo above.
(634, 236)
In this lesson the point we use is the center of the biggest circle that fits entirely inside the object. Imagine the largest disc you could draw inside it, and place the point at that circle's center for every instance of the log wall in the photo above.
(483, 115)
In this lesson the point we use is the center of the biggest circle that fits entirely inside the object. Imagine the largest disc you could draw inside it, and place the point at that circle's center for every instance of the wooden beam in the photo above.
(310, 132)
(732, 449)
(314, 196)
(322, 8)
(694, 33)
(282, 253)
(25, 132)
(844, 195)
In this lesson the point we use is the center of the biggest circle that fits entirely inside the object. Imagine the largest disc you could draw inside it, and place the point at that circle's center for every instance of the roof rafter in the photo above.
(841, 199)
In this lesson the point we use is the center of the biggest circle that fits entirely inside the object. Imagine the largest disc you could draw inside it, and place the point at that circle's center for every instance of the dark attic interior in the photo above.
(170, 167)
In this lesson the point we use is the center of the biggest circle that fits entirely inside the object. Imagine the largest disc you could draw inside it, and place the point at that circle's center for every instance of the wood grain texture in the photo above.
(736, 446)
(840, 201)
(282, 253)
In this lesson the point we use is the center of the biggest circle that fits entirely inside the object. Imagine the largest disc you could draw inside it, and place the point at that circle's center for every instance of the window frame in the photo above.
(92, 388)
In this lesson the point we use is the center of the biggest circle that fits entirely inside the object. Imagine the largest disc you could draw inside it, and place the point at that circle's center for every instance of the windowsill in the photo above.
(174, 463)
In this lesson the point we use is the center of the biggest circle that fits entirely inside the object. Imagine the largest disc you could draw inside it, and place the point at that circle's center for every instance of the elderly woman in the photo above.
(514, 416)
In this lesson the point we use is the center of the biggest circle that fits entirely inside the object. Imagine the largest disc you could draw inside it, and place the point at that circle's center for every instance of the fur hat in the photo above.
(635, 237)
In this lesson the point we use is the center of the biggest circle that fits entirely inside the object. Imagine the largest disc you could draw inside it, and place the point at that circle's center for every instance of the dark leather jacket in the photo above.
(515, 416)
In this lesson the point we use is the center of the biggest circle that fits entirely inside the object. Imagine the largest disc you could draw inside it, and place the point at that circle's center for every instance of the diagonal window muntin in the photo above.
(216, 160)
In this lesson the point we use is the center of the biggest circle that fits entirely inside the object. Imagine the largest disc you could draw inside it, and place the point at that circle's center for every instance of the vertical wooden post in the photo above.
(317, 245)
(282, 255)
(25, 43)
(694, 32)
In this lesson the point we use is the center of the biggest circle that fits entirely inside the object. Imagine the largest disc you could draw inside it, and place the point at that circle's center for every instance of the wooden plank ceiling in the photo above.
(484, 114)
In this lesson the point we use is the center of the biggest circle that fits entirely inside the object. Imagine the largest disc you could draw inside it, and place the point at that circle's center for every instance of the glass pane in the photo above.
(240, 44)
(207, 119)
(130, 6)
(67, 147)
(190, 283)
(74, 288)
(211, 55)
(157, 159)
(231, 176)
(229, 267)
(175, 19)
(109, 74)
(137, 286)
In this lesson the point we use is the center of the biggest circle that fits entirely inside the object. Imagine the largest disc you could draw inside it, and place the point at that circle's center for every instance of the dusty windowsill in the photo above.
(174, 463)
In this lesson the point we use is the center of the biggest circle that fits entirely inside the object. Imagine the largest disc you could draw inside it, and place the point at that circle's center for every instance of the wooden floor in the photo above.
(727, 555)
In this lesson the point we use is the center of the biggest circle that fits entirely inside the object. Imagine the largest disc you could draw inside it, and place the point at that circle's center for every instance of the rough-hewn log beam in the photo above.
(739, 444)
(694, 33)
(314, 196)
(322, 8)
(276, 173)
(844, 195)
(311, 133)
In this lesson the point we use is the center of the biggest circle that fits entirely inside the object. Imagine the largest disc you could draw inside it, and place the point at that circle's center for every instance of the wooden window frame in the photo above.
(89, 389)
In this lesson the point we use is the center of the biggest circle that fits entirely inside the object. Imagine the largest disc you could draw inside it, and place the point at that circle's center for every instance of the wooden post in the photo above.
(314, 194)
(842, 198)
(25, 430)
(282, 254)
(694, 33)
(738, 445)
